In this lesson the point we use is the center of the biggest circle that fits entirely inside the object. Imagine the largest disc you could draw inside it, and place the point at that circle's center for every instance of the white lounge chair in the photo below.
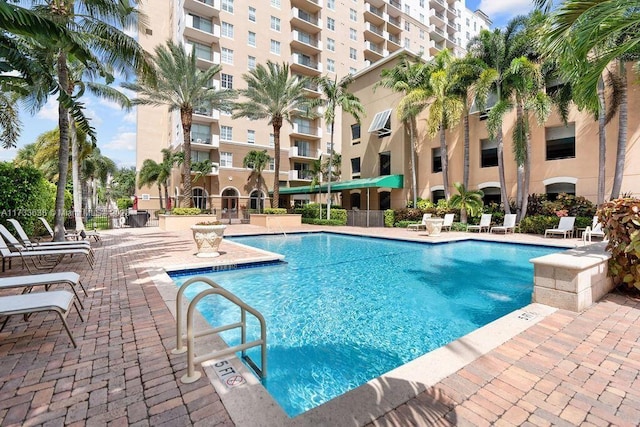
(485, 224)
(28, 282)
(57, 301)
(595, 230)
(71, 235)
(27, 243)
(509, 225)
(447, 222)
(564, 228)
(422, 225)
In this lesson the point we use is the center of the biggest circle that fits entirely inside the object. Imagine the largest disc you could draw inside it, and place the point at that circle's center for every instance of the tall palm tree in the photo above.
(468, 201)
(96, 169)
(406, 76)
(337, 95)
(497, 49)
(257, 161)
(274, 95)
(316, 171)
(179, 84)
(149, 175)
(169, 160)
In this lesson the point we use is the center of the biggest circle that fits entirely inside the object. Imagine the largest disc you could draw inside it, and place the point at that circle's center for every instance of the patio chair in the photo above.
(509, 225)
(564, 228)
(422, 225)
(595, 230)
(27, 243)
(42, 259)
(58, 301)
(47, 280)
(485, 224)
(79, 235)
(448, 222)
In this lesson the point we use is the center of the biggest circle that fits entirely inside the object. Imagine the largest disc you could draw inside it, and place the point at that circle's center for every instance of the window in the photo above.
(407, 25)
(422, 18)
(251, 62)
(353, 54)
(436, 164)
(353, 34)
(407, 9)
(355, 167)
(407, 42)
(385, 163)
(489, 155)
(275, 23)
(331, 4)
(199, 197)
(437, 195)
(226, 81)
(203, 24)
(199, 156)
(227, 5)
(353, 15)
(272, 164)
(561, 142)
(331, 65)
(352, 70)
(251, 39)
(467, 22)
(554, 190)
(272, 140)
(421, 3)
(421, 34)
(275, 47)
(202, 51)
(200, 134)
(251, 136)
(252, 14)
(226, 133)
(227, 55)
(331, 24)
(331, 44)
(385, 200)
(226, 160)
(355, 200)
(381, 123)
(275, 3)
(226, 30)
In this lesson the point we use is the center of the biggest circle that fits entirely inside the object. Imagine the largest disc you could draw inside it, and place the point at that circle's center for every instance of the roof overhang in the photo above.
(386, 181)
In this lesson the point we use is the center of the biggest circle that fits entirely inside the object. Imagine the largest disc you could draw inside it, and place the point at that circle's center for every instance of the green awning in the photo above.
(386, 181)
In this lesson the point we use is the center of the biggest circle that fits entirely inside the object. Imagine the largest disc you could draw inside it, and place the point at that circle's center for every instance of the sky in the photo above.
(116, 129)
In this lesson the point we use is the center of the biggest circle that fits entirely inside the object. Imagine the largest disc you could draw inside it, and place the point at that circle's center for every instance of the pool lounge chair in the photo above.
(485, 224)
(27, 243)
(422, 225)
(71, 235)
(47, 280)
(564, 228)
(57, 301)
(509, 225)
(595, 230)
(448, 222)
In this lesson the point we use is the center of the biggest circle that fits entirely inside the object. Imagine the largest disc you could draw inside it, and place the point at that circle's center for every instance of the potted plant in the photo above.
(208, 235)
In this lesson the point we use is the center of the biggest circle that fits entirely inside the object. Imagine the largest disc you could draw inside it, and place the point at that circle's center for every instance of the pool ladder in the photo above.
(192, 375)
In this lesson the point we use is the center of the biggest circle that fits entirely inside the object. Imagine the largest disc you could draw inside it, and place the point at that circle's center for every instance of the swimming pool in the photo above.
(345, 309)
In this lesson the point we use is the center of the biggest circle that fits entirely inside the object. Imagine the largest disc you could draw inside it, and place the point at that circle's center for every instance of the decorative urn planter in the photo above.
(208, 236)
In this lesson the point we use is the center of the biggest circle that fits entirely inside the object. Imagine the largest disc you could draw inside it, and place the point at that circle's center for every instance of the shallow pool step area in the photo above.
(573, 279)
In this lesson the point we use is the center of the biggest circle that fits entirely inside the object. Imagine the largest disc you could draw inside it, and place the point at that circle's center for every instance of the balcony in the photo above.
(305, 42)
(306, 130)
(395, 40)
(206, 115)
(302, 64)
(373, 52)
(437, 34)
(215, 170)
(395, 9)
(205, 8)
(438, 5)
(394, 25)
(437, 18)
(451, 13)
(205, 57)
(304, 153)
(300, 175)
(312, 6)
(373, 14)
(205, 141)
(436, 47)
(306, 21)
(312, 90)
(373, 33)
(207, 34)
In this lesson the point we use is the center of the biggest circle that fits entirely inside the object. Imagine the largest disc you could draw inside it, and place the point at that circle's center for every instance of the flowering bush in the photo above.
(209, 223)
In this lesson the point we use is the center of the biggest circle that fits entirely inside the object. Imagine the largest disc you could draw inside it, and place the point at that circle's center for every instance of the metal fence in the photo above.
(106, 219)
(365, 218)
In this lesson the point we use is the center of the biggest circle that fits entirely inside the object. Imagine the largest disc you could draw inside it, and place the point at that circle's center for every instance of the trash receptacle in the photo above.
(138, 219)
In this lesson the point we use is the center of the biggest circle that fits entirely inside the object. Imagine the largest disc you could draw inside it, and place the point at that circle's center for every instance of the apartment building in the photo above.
(564, 158)
(316, 37)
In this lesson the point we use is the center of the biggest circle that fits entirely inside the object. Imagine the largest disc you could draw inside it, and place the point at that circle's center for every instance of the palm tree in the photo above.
(96, 169)
(404, 77)
(257, 161)
(9, 120)
(336, 95)
(180, 85)
(169, 160)
(468, 201)
(149, 175)
(316, 171)
(273, 95)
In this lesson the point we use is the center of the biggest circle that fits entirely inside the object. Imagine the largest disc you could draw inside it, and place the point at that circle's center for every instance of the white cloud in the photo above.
(7, 155)
(122, 141)
(49, 111)
(503, 11)
(130, 117)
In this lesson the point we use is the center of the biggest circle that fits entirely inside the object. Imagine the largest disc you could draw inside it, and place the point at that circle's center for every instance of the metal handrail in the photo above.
(216, 289)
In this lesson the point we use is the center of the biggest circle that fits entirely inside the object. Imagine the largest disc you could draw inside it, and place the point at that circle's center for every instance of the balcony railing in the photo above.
(395, 3)
(305, 16)
(374, 29)
(376, 11)
(302, 60)
(306, 39)
(394, 21)
(394, 39)
(373, 47)
(295, 175)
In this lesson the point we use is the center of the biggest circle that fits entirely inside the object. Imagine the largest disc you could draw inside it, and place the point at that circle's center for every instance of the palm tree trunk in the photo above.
(602, 142)
(444, 159)
(622, 133)
(503, 181)
(186, 117)
(166, 195)
(329, 174)
(465, 166)
(277, 124)
(160, 195)
(63, 152)
(414, 179)
(75, 176)
(526, 179)
(519, 185)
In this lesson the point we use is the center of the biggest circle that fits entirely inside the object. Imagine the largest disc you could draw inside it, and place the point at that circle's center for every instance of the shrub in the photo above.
(423, 204)
(408, 214)
(389, 218)
(458, 226)
(535, 204)
(537, 224)
(185, 211)
(124, 203)
(576, 205)
(275, 211)
(339, 215)
(583, 221)
(622, 226)
(317, 221)
(403, 224)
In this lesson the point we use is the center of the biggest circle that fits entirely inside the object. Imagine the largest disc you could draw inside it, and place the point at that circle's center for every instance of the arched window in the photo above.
(199, 197)
(230, 203)
(491, 195)
(256, 200)
(553, 190)
(355, 200)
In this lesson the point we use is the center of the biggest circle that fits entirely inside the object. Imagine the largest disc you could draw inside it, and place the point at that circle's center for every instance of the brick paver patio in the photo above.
(568, 369)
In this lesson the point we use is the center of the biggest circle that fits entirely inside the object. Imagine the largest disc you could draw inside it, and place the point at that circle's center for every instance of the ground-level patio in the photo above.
(566, 369)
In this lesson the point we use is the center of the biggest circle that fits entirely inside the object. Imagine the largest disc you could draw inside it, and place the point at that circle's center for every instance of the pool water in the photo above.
(344, 310)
